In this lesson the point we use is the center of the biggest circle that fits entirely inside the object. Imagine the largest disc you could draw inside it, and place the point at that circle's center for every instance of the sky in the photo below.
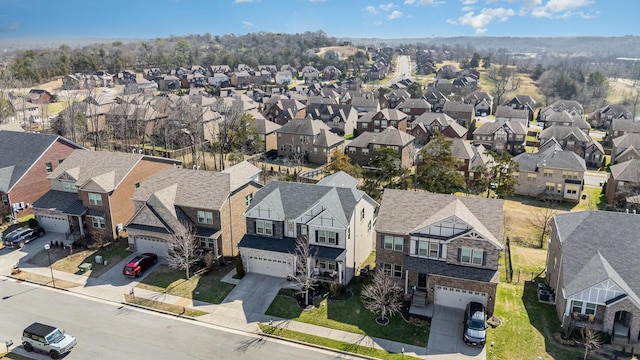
(141, 19)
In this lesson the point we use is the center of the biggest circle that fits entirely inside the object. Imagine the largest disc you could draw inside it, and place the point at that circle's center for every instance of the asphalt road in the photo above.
(110, 331)
(402, 70)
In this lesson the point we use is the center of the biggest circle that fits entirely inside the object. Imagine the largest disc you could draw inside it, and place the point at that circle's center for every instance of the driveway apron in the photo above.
(445, 337)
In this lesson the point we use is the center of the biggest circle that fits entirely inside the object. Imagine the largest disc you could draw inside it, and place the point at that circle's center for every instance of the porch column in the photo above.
(340, 267)
(406, 282)
(81, 225)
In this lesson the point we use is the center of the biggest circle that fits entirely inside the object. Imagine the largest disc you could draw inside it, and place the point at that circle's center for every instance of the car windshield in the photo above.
(475, 324)
(55, 336)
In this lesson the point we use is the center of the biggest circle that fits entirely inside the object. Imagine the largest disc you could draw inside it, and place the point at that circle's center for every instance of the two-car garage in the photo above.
(53, 223)
(457, 298)
(145, 244)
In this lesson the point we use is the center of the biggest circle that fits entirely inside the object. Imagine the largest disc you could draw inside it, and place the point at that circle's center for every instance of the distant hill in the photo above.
(9, 44)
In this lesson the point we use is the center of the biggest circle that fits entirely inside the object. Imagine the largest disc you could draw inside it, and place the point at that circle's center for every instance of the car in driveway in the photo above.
(137, 265)
(475, 324)
(20, 237)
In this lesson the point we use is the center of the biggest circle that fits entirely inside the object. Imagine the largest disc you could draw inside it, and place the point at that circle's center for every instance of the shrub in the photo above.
(239, 266)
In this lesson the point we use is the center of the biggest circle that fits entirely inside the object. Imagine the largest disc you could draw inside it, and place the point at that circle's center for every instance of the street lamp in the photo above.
(47, 247)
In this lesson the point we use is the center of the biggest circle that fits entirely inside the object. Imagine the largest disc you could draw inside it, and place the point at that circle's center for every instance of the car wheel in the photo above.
(27, 346)
(155, 261)
(54, 354)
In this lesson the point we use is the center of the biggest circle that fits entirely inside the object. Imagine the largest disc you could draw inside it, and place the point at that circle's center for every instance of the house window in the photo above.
(361, 214)
(392, 270)
(98, 222)
(383, 124)
(531, 177)
(393, 243)
(303, 229)
(369, 226)
(549, 186)
(264, 227)
(352, 150)
(365, 125)
(327, 237)
(471, 256)
(548, 172)
(205, 217)
(393, 123)
(327, 265)
(60, 161)
(247, 199)
(207, 243)
(69, 186)
(582, 307)
(137, 185)
(49, 167)
(365, 151)
(95, 199)
(570, 174)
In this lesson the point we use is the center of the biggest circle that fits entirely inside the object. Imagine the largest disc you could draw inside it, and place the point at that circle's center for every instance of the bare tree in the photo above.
(382, 296)
(541, 218)
(504, 80)
(591, 340)
(303, 276)
(183, 248)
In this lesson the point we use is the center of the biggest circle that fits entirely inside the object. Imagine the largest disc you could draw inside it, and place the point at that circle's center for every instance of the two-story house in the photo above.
(378, 121)
(500, 137)
(414, 108)
(208, 205)
(622, 126)
(307, 140)
(625, 147)
(552, 173)
(570, 138)
(464, 114)
(623, 185)
(602, 117)
(429, 123)
(564, 118)
(446, 252)
(91, 192)
(341, 118)
(362, 150)
(333, 216)
(25, 161)
(436, 98)
(522, 102)
(282, 110)
(507, 113)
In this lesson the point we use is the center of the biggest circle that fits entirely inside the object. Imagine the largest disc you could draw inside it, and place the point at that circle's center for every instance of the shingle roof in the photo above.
(457, 106)
(287, 245)
(428, 266)
(491, 127)
(303, 127)
(626, 171)
(339, 179)
(550, 158)
(562, 132)
(625, 125)
(19, 151)
(503, 111)
(64, 201)
(390, 136)
(485, 215)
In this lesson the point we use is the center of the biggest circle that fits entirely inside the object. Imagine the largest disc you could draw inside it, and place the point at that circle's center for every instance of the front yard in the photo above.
(206, 287)
(350, 315)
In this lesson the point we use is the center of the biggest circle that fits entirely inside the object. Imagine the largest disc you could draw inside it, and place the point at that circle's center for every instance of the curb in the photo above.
(36, 283)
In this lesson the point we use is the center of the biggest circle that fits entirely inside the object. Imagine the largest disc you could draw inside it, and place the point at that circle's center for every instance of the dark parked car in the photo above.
(19, 237)
(475, 324)
(136, 266)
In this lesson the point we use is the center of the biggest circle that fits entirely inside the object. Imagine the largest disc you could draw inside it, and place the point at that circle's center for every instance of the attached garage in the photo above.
(53, 223)
(457, 298)
(146, 244)
(268, 264)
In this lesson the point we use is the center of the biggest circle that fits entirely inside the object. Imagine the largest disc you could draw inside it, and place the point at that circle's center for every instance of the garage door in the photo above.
(267, 265)
(49, 223)
(147, 244)
(458, 298)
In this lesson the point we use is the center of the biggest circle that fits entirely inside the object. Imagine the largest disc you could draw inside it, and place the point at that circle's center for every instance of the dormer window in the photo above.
(95, 199)
(69, 186)
(205, 217)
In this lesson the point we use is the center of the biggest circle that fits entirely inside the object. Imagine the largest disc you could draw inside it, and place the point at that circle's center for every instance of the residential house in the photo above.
(593, 273)
(500, 137)
(414, 108)
(482, 101)
(378, 121)
(331, 73)
(446, 252)
(310, 75)
(284, 77)
(307, 140)
(365, 105)
(602, 117)
(240, 79)
(623, 185)
(552, 173)
(522, 102)
(333, 216)
(23, 111)
(169, 83)
(341, 118)
(25, 161)
(39, 96)
(393, 98)
(570, 138)
(625, 147)
(91, 192)
(152, 74)
(284, 110)
(427, 124)
(564, 118)
(209, 205)
(474, 158)
(570, 106)
(464, 114)
(266, 131)
(621, 126)
(362, 149)
(436, 99)
(74, 81)
(506, 113)
(124, 77)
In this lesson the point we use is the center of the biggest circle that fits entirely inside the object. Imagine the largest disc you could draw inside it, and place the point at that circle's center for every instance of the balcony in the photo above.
(325, 275)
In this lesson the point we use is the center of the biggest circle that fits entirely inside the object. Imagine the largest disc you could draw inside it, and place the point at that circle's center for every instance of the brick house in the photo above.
(500, 137)
(522, 102)
(284, 110)
(593, 272)
(625, 147)
(446, 253)
(623, 185)
(621, 126)
(362, 150)
(414, 108)
(428, 123)
(464, 114)
(210, 204)
(378, 121)
(336, 218)
(91, 192)
(552, 173)
(341, 118)
(602, 117)
(473, 157)
(307, 140)
(25, 161)
(570, 138)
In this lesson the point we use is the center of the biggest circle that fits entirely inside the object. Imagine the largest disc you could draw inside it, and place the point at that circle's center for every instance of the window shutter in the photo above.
(255, 227)
(484, 258)
(336, 239)
(316, 235)
(273, 229)
(459, 254)
(413, 248)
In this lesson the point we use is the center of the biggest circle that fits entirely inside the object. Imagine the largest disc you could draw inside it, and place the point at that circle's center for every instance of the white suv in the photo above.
(47, 339)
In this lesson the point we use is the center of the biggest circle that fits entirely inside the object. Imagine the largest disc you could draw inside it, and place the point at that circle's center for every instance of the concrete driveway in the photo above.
(253, 295)
(445, 337)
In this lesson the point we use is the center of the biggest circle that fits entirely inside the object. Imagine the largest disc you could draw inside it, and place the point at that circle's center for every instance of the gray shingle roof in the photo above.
(625, 125)
(562, 132)
(339, 179)
(491, 127)
(550, 158)
(288, 246)
(67, 202)
(428, 266)
(626, 171)
(503, 111)
(592, 252)
(390, 136)
(303, 127)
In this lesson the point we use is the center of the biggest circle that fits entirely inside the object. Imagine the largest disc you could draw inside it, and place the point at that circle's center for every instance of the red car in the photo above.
(136, 266)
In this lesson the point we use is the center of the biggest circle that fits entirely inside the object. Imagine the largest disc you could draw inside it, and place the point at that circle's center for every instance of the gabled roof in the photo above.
(339, 179)
(627, 140)
(550, 158)
(565, 117)
(562, 132)
(626, 171)
(303, 127)
(241, 174)
(462, 149)
(414, 104)
(508, 112)
(626, 125)
(491, 127)
(19, 151)
(484, 215)
(592, 251)
(390, 136)
(457, 106)
(327, 139)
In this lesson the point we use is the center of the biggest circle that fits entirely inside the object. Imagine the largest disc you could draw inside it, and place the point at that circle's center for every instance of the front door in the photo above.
(291, 225)
(422, 281)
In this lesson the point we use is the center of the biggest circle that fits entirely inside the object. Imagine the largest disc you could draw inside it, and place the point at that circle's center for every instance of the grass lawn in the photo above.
(333, 344)
(350, 315)
(174, 309)
(207, 287)
(13, 356)
(113, 253)
(40, 279)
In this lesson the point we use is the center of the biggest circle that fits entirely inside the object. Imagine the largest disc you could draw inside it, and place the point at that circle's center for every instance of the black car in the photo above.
(19, 237)
(475, 324)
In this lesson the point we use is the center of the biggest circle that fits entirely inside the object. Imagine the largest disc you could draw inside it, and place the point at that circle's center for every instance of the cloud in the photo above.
(371, 10)
(469, 2)
(244, 1)
(10, 27)
(387, 7)
(468, 8)
(317, 0)
(247, 23)
(394, 15)
(558, 8)
(480, 21)
(423, 2)
(563, 5)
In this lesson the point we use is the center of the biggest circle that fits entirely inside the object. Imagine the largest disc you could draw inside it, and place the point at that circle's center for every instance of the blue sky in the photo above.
(340, 18)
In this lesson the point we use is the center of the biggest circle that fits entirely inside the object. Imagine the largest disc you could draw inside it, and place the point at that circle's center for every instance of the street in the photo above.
(402, 70)
(111, 331)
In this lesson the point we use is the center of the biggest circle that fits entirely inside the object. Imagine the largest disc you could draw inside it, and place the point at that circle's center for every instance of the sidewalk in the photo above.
(228, 314)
